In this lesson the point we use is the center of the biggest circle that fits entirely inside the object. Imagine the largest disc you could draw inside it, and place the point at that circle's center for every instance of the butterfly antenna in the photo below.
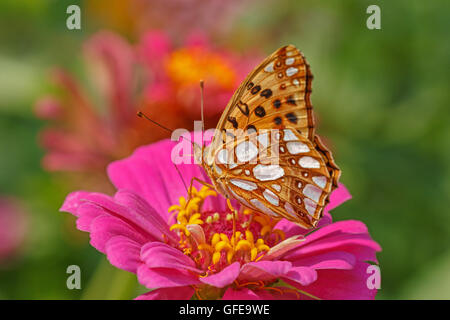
(181, 177)
(202, 102)
(144, 116)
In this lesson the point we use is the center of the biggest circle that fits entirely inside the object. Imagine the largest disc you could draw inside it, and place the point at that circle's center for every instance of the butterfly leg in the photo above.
(202, 182)
(191, 185)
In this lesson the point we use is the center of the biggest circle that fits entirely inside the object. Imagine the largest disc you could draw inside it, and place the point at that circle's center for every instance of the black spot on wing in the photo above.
(233, 121)
(255, 89)
(291, 117)
(277, 120)
(260, 112)
(266, 93)
(277, 103)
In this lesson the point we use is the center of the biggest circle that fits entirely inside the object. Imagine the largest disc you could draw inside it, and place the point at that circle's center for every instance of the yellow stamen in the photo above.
(215, 239)
(244, 245)
(216, 257)
(222, 245)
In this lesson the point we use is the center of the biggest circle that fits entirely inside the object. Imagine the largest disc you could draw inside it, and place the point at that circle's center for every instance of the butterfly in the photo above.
(264, 152)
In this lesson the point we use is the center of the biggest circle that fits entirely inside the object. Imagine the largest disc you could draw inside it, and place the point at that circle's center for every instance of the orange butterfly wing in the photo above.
(281, 177)
(276, 95)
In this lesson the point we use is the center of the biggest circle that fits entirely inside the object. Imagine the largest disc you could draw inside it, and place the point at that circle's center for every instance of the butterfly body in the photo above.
(264, 152)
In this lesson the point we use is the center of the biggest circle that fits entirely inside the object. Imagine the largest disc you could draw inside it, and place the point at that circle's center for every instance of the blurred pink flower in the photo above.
(13, 227)
(90, 130)
(182, 249)
(133, 17)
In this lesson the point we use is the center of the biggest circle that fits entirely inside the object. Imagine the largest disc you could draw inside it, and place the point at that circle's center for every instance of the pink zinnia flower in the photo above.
(183, 251)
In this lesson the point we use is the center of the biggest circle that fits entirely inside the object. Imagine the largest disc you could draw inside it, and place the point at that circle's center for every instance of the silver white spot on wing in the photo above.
(309, 162)
(310, 206)
(312, 192)
(239, 198)
(260, 206)
(244, 184)
(271, 197)
(289, 209)
(263, 139)
(276, 187)
(269, 67)
(296, 147)
(291, 71)
(268, 172)
(295, 82)
(245, 151)
(321, 181)
(218, 170)
(289, 135)
(289, 61)
(222, 156)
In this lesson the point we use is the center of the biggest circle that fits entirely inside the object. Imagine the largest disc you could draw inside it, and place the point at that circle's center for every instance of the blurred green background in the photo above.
(382, 98)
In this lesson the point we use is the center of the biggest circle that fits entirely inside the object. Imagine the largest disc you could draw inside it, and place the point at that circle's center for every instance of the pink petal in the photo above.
(349, 236)
(161, 185)
(154, 47)
(112, 58)
(264, 270)
(178, 293)
(291, 229)
(224, 277)
(72, 201)
(334, 284)
(105, 227)
(338, 197)
(301, 275)
(48, 107)
(163, 278)
(123, 253)
(144, 210)
(161, 255)
(143, 218)
(328, 260)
